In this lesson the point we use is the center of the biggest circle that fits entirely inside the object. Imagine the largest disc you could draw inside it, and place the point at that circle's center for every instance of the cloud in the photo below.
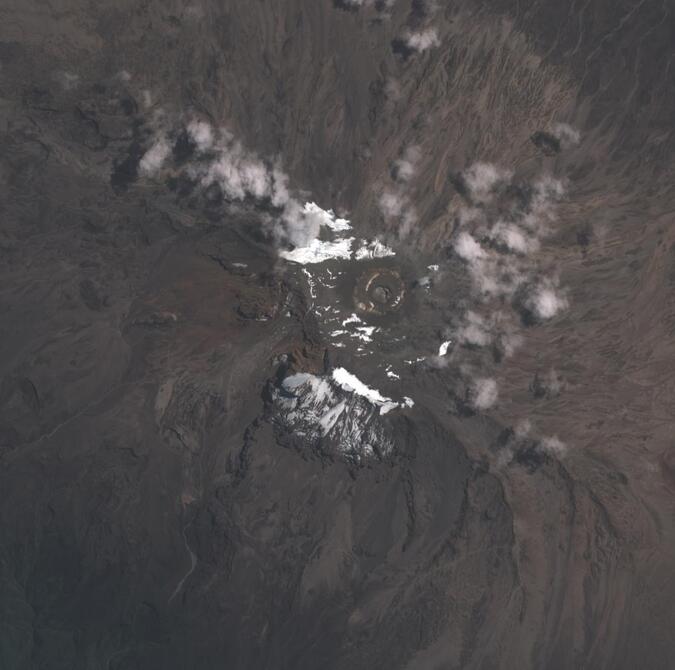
(68, 80)
(201, 134)
(549, 385)
(355, 4)
(546, 301)
(242, 175)
(155, 156)
(522, 429)
(422, 40)
(391, 204)
(492, 274)
(481, 179)
(546, 192)
(396, 208)
(483, 393)
(405, 167)
(474, 331)
(280, 192)
(514, 238)
(468, 249)
(239, 173)
(553, 446)
(394, 202)
(499, 254)
(566, 134)
(497, 330)
(524, 439)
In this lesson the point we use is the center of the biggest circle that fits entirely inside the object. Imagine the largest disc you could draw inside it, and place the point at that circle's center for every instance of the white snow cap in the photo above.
(351, 383)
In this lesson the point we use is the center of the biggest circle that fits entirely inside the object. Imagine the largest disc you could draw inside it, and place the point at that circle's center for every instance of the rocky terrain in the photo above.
(337, 334)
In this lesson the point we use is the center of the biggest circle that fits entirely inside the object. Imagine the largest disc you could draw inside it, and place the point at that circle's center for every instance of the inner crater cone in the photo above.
(379, 291)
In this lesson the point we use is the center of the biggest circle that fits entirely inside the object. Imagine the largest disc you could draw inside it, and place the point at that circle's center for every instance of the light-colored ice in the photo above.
(351, 383)
(373, 249)
(318, 251)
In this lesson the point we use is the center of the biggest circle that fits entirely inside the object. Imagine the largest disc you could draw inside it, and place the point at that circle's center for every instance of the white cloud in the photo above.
(500, 270)
(553, 383)
(481, 179)
(566, 134)
(280, 192)
(498, 329)
(201, 134)
(155, 156)
(514, 238)
(405, 167)
(474, 331)
(546, 301)
(422, 40)
(327, 217)
(239, 173)
(396, 208)
(553, 446)
(68, 80)
(391, 204)
(467, 248)
(523, 428)
(484, 393)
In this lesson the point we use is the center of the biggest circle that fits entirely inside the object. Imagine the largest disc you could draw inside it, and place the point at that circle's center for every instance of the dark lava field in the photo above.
(337, 335)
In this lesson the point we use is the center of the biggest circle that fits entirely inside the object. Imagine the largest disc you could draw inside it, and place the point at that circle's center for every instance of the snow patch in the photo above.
(351, 383)
(373, 249)
(318, 251)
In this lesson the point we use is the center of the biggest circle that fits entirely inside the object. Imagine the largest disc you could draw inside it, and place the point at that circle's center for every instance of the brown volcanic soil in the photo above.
(148, 517)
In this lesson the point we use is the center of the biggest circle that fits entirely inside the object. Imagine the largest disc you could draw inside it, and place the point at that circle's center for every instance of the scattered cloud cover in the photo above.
(421, 40)
(549, 385)
(397, 209)
(553, 446)
(546, 300)
(405, 168)
(201, 134)
(514, 238)
(483, 393)
(468, 249)
(481, 179)
(155, 157)
(499, 232)
(566, 134)
(499, 252)
(68, 80)
(525, 439)
(497, 329)
(220, 159)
